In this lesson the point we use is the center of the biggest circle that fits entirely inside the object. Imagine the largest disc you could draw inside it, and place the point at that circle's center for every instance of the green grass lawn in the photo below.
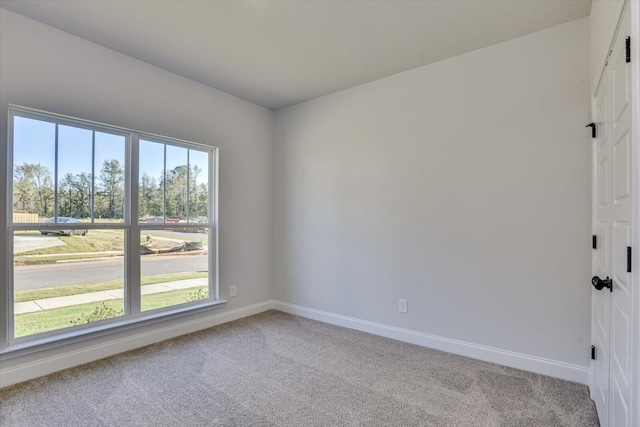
(18, 260)
(63, 291)
(94, 241)
(165, 299)
(48, 320)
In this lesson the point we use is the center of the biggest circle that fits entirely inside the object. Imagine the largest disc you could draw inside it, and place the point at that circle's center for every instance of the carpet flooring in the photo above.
(275, 369)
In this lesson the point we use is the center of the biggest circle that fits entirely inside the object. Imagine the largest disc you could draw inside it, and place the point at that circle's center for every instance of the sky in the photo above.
(34, 142)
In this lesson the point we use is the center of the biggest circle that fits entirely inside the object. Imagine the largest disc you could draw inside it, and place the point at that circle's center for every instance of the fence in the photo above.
(25, 217)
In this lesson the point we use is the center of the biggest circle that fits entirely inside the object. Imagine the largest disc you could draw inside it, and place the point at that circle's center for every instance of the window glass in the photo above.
(151, 199)
(70, 201)
(176, 181)
(110, 174)
(33, 169)
(62, 281)
(174, 184)
(75, 154)
(198, 186)
(174, 266)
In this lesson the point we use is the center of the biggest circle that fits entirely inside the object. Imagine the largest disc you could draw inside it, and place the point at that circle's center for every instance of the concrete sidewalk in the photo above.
(71, 300)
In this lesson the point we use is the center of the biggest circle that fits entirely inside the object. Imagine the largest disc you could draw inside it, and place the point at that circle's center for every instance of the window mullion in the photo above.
(164, 185)
(6, 283)
(188, 184)
(93, 176)
(132, 251)
(55, 179)
(212, 209)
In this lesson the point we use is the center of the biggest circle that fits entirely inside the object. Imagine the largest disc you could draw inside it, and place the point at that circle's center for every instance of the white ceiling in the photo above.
(279, 53)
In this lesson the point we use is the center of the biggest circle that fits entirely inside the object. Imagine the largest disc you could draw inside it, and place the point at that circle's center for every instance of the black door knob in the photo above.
(599, 284)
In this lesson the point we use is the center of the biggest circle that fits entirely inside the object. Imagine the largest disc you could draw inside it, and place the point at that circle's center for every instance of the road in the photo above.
(71, 273)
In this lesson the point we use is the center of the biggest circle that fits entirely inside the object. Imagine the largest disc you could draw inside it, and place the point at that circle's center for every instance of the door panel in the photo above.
(621, 239)
(621, 83)
(603, 255)
(620, 410)
(621, 167)
(602, 178)
(620, 353)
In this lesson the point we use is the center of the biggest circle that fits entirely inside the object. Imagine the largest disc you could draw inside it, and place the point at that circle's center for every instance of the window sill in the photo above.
(105, 330)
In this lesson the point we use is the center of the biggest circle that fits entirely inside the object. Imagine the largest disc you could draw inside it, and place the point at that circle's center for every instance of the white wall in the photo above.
(44, 68)
(462, 186)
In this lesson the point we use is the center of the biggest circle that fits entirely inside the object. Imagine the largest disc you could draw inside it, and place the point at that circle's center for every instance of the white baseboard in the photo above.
(539, 365)
(33, 369)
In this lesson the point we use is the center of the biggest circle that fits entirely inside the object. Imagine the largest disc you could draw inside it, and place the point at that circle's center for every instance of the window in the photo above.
(90, 249)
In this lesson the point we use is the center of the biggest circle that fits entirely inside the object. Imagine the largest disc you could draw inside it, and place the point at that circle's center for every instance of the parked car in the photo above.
(63, 220)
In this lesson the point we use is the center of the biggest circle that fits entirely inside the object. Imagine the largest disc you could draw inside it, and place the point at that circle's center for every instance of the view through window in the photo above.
(88, 246)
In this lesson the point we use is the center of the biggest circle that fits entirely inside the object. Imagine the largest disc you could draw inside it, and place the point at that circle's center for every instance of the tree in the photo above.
(65, 195)
(42, 181)
(35, 178)
(203, 204)
(193, 181)
(147, 195)
(151, 197)
(82, 187)
(112, 178)
(176, 192)
(23, 191)
(48, 198)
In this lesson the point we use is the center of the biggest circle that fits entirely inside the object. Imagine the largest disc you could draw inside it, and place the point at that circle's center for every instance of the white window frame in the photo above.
(133, 316)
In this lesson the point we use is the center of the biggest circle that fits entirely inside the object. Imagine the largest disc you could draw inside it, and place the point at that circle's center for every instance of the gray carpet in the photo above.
(275, 369)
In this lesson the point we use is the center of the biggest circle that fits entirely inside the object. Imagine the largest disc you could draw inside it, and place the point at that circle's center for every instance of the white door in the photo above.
(601, 299)
(612, 305)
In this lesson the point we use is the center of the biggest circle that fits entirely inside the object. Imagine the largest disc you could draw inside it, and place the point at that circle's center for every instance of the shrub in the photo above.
(197, 295)
(100, 312)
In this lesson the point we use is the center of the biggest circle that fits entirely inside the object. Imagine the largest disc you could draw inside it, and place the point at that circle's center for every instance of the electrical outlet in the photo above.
(403, 306)
(232, 290)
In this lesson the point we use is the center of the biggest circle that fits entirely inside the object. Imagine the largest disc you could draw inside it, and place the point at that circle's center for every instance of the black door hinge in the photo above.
(628, 259)
(593, 129)
(594, 242)
(628, 47)
(593, 352)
